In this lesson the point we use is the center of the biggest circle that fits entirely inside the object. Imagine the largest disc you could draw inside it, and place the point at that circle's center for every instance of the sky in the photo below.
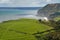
(26, 3)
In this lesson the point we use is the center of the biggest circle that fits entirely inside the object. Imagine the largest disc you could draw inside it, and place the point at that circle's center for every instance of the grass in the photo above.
(57, 18)
(21, 29)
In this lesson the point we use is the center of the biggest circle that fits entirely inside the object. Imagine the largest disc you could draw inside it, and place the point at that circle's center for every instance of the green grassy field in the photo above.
(21, 29)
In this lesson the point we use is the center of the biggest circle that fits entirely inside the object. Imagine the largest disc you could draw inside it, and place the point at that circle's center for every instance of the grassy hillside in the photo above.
(21, 29)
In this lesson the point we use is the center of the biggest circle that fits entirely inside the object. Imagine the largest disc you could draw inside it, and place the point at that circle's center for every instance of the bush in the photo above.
(53, 36)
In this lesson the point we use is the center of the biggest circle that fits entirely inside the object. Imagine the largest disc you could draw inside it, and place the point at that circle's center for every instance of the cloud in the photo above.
(26, 3)
(4, 1)
(20, 3)
(48, 0)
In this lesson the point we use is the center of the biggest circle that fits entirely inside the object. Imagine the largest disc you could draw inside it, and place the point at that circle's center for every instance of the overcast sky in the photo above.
(26, 3)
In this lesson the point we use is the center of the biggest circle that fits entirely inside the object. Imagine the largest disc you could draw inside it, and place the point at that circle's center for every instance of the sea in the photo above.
(7, 13)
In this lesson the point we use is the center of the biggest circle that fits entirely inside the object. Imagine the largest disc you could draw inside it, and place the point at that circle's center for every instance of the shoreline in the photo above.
(20, 17)
(26, 17)
(17, 19)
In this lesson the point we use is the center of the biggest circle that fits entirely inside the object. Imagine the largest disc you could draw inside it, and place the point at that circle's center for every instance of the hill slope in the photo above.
(21, 29)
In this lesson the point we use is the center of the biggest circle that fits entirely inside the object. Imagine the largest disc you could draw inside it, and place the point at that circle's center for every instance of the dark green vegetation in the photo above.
(56, 34)
(23, 29)
(53, 34)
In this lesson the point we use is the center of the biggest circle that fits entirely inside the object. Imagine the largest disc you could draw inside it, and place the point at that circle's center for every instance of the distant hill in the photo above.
(48, 10)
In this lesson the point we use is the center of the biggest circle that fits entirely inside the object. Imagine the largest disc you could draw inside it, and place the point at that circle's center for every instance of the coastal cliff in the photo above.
(48, 10)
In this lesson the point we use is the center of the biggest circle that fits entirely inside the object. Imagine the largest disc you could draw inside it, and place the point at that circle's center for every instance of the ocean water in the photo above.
(12, 14)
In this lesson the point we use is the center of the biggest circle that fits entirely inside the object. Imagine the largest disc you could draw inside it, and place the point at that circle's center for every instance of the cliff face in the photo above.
(48, 10)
